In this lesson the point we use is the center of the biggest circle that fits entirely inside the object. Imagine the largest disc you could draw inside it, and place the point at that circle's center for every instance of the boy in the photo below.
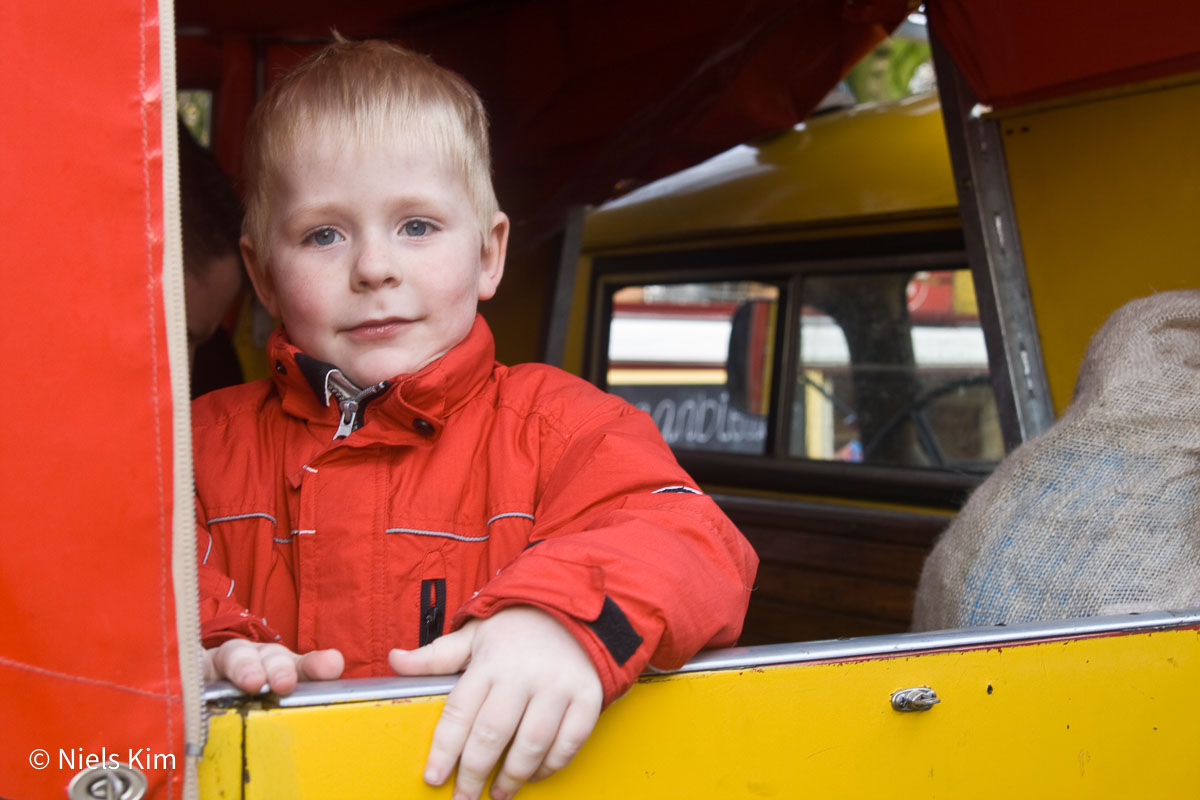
(392, 483)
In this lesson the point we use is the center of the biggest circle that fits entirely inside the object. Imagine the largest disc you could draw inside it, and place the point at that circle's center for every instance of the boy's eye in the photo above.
(416, 227)
(323, 237)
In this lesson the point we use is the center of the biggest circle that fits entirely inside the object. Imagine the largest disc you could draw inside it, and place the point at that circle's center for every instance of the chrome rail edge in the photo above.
(317, 693)
(363, 689)
(956, 638)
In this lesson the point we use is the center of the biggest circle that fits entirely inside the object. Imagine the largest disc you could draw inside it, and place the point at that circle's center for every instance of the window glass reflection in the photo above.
(697, 357)
(892, 370)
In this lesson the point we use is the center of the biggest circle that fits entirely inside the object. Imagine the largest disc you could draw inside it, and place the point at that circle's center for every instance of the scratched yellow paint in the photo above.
(220, 770)
(1108, 717)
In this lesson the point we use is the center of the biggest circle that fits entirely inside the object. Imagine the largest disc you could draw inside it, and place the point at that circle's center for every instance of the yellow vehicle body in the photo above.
(1108, 715)
(807, 179)
(1106, 190)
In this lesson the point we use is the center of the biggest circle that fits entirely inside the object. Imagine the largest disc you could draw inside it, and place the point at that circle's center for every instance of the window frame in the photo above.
(786, 265)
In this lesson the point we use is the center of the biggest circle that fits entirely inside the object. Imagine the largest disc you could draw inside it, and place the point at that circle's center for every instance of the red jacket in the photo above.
(469, 487)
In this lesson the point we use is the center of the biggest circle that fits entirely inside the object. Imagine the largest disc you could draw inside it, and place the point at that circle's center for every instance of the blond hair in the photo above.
(369, 91)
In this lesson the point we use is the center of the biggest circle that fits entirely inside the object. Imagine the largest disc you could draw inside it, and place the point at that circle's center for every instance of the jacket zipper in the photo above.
(351, 401)
(433, 609)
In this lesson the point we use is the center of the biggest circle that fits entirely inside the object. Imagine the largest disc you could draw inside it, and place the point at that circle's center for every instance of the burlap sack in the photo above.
(1101, 513)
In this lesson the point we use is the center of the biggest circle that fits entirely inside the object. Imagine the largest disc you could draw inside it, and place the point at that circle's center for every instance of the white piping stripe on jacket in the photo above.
(292, 533)
(440, 534)
(233, 517)
(687, 489)
(520, 514)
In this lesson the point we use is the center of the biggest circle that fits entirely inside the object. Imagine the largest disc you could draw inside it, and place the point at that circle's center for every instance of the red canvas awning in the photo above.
(1016, 52)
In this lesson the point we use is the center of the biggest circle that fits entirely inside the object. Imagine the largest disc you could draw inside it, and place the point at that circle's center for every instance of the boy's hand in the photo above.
(527, 681)
(250, 665)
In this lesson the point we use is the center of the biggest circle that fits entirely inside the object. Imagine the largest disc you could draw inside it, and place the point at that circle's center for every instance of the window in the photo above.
(669, 352)
(874, 362)
(892, 369)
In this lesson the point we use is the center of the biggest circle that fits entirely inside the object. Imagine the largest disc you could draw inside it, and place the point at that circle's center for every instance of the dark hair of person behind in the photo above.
(212, 224)
(211, 209)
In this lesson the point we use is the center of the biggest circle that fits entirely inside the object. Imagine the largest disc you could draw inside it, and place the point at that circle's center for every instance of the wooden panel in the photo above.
(848, 594)
(851, 555)
(768, 622)
(830, 571)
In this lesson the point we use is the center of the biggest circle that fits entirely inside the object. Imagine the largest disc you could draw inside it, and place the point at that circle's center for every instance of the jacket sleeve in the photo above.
(643, 568)
(222, 615)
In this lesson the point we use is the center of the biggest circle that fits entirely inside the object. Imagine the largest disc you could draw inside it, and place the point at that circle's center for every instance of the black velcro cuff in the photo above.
(614, 630)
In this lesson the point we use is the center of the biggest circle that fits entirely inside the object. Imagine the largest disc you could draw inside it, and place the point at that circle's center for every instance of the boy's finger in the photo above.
(538, 731)
(453, 727)
(445, 655)
(321, 665)
(210, 667)
(577, 724)
(282, 668)
(493, 729)
(239, 662)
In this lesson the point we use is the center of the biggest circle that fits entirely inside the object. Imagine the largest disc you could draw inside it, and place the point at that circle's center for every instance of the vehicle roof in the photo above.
(875, 160)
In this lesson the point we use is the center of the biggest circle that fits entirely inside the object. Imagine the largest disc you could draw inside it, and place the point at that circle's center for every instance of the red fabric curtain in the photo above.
(88, 659)
(585, 96)
(1016, 52)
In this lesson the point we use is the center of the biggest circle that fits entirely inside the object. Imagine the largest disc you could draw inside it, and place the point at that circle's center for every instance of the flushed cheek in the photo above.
(307, 297)
(310, 308)
(450, 290)
(309, 322)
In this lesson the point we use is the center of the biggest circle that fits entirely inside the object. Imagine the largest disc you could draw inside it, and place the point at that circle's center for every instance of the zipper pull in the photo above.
(352, 401)
(346, 424)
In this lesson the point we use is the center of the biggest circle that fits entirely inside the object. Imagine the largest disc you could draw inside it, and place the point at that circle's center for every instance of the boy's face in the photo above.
(376, 259)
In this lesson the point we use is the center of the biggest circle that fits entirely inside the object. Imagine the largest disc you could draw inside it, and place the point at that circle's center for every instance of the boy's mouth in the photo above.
(378, 328)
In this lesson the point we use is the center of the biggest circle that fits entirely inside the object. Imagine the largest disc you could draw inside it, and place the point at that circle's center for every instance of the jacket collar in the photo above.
(415, 404)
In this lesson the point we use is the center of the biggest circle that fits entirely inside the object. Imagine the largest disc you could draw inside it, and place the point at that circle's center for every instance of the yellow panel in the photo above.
(356, 751)
(1106, 717)
(1107, 194)
(220, 771)
(867, 162)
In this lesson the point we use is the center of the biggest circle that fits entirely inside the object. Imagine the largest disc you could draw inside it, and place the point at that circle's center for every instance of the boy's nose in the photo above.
(374, 267)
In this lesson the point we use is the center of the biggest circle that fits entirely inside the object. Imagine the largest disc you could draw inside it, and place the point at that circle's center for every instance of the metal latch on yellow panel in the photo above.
(920, 698)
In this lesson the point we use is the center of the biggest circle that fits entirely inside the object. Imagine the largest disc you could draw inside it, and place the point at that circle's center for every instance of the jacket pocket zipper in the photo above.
(433, 609)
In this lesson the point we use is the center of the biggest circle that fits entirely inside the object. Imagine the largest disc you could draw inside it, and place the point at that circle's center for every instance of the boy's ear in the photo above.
(260, 276)
(491, 258)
